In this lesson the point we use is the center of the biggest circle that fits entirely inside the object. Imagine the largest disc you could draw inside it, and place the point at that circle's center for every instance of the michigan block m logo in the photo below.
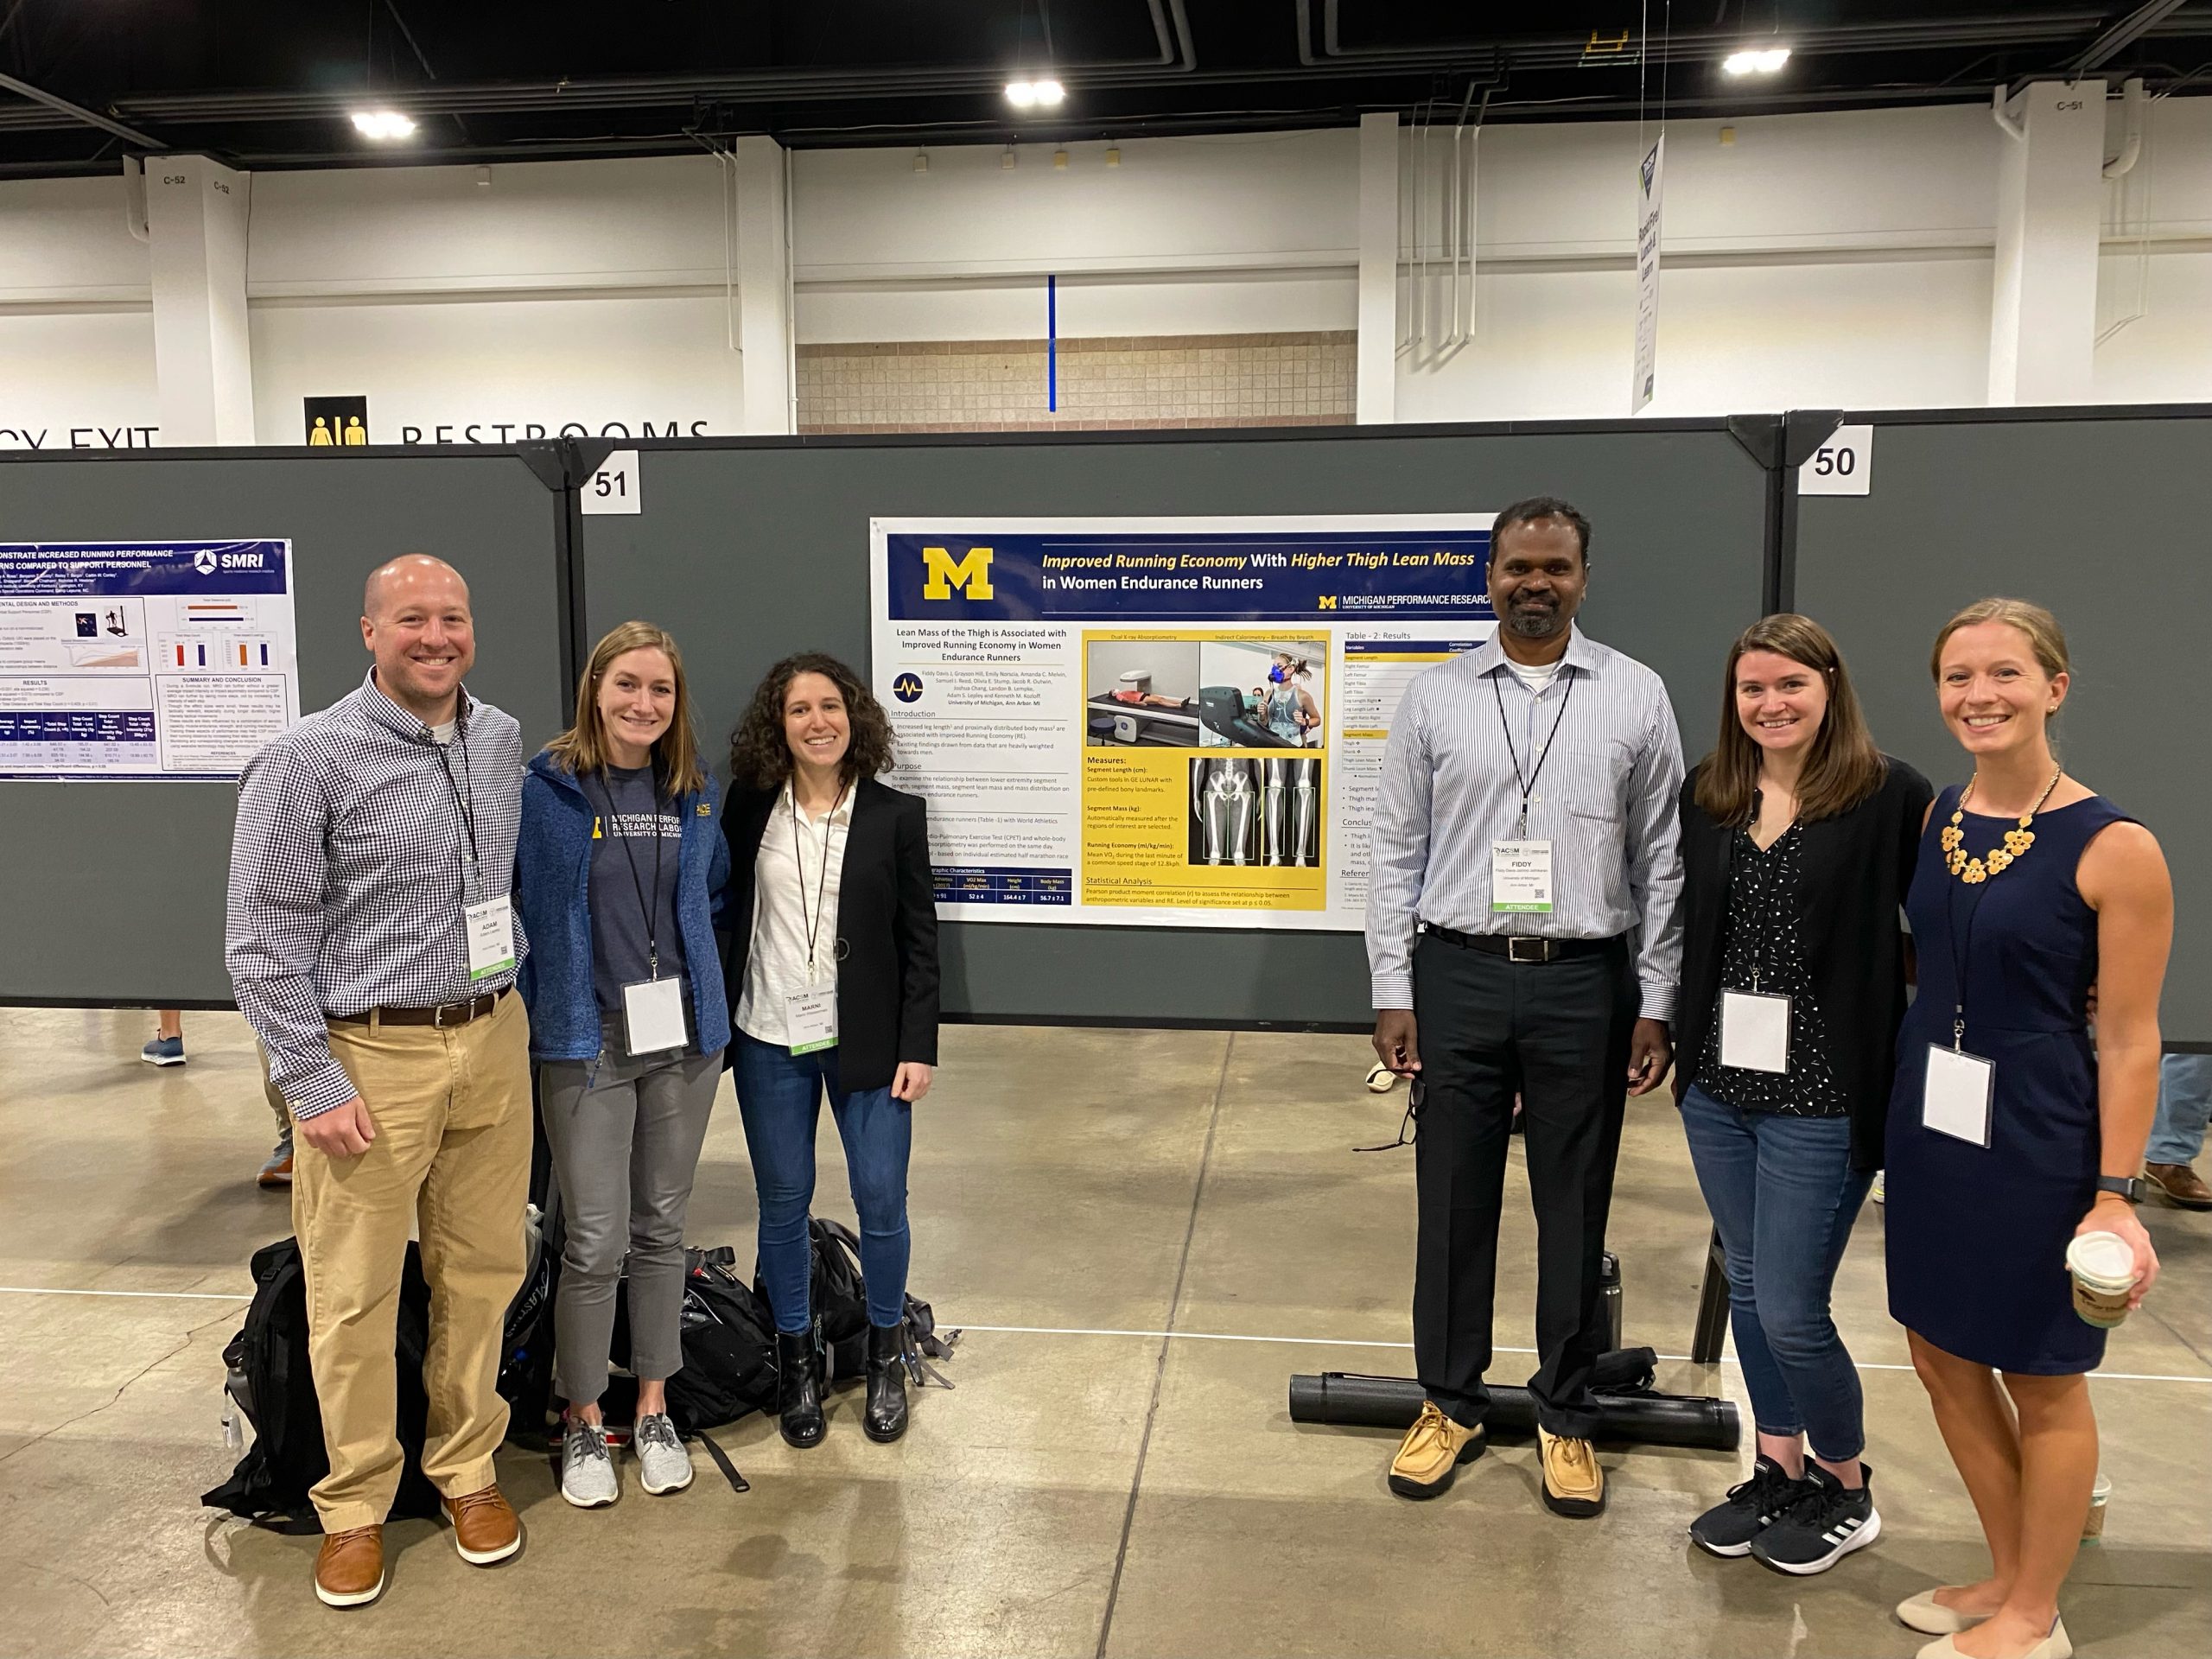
(970, 573)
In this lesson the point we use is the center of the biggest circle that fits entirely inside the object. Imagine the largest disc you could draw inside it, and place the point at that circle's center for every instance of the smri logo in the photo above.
(907, 688)
(970, 573)
(204, 563)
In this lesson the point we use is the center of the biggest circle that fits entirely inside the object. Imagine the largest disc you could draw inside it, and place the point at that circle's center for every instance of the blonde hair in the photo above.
(583, 747)
(2045, 637)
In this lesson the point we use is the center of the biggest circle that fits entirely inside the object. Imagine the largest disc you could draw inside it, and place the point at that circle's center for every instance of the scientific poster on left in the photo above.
(143, 659)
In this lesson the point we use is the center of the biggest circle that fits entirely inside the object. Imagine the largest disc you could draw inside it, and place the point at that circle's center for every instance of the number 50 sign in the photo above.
(1842, 465)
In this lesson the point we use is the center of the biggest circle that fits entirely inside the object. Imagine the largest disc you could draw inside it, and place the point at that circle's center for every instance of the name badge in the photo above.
(653, 1012)
(1521, 875)
(1955, 1094)
(811, 1019)
(490, 927)
(1754, 1031)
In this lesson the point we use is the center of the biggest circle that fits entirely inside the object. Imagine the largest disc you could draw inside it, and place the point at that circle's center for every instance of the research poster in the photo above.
(1160, 721)
(139, 659)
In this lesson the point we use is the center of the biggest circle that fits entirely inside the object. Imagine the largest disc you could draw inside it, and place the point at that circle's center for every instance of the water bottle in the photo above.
(1608, 1287)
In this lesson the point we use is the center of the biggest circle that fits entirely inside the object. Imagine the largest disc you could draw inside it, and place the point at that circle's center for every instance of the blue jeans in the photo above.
(1783, 1194)
(2185, 1106)
(780, 1097)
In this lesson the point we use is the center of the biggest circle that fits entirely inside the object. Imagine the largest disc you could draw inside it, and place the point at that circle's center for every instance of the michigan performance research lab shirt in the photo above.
(361, 839)
(1605, 798)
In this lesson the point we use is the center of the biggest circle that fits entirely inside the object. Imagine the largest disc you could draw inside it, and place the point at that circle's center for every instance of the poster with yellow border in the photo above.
(1160, 721)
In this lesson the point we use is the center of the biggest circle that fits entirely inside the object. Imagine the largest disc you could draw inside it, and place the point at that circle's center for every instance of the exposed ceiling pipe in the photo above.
(2009, 125)
(2131, 135)
(134, 200)
(77, 113)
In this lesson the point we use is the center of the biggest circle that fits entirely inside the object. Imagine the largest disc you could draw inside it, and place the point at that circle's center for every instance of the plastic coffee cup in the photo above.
(2093, 1529)
(2103, 1267)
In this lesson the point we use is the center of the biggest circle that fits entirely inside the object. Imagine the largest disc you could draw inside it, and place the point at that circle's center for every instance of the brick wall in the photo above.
(998, 385)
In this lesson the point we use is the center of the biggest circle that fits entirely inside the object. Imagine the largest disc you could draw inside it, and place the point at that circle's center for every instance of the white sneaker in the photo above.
(587, 1478)
(1877, 1193)
(663, 1464)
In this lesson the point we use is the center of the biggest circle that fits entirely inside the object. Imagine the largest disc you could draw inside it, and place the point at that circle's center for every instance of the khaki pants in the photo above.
(452, 1111)
(268, 1093)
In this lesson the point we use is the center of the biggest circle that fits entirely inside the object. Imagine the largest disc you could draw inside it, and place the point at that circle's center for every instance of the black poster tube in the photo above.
(1351, 1399)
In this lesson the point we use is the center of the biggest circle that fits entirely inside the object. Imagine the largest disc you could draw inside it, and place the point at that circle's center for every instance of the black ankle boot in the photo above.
(799, 1388)
(885, 1417)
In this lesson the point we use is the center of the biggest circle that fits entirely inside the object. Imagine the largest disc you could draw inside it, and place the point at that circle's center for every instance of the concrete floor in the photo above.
(1092, 1486)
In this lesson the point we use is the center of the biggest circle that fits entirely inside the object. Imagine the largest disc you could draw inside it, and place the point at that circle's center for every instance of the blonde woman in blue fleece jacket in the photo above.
(620, 873)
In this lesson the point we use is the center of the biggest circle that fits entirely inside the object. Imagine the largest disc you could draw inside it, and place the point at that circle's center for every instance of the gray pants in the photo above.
(625, 1135)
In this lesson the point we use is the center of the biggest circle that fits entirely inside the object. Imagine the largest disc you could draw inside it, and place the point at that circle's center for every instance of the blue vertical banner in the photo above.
(1051, 343)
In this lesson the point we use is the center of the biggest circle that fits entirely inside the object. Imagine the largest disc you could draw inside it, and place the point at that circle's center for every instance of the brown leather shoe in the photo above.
(485, 1528)
(1573, 1484)
(1429, 1457)
(2181, 1183)
(349, 1567)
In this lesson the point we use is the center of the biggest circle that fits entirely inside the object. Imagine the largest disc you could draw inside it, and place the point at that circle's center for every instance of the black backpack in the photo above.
(270, 1383)
(729, 1345)
(839, 1294)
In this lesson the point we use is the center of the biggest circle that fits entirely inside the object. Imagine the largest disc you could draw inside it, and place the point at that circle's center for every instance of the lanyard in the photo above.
(1529, 783)
(821, 881)
(650, 908)
(465, 800)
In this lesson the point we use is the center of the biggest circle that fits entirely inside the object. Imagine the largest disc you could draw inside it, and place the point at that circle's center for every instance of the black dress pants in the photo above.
(1558, 1033)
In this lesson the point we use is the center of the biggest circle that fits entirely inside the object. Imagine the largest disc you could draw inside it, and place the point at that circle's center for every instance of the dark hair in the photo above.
(1542, 506)
(761, 755)
(1843, 767)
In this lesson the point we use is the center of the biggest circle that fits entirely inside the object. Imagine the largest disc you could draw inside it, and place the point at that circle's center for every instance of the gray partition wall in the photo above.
(749, 549)
(114, 891)
(2099, 515)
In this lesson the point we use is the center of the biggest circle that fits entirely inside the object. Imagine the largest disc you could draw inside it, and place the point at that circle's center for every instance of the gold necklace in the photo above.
(1975, 871)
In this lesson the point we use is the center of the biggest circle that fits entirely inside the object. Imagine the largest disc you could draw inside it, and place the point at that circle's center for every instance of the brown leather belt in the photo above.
(446, 1014)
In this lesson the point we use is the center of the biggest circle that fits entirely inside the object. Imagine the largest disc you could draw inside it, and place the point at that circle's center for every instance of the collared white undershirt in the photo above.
(1537, 676)
(793, 849)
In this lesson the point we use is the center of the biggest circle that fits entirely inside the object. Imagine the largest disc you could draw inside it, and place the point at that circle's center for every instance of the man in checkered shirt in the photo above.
(372, 947)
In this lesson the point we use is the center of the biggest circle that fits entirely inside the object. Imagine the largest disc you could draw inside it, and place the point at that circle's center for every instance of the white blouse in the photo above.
(795, 880)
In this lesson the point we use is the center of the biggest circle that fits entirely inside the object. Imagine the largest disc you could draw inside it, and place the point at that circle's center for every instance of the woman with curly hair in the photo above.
(833, 967)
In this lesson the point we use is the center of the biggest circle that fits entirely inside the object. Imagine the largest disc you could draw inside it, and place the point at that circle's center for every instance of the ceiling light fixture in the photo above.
(382, 123)
(1028, 94)
(1050, 92)
(1750, 61)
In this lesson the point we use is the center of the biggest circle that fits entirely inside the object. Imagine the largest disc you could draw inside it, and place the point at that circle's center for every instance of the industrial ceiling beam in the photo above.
(2124, 34)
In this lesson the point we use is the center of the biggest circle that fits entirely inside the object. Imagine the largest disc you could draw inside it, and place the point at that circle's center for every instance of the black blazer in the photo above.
(1852, 882)
(887, 927)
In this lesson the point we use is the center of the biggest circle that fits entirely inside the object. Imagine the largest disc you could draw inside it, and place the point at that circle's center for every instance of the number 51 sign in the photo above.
(1842, 465)
(614, 487)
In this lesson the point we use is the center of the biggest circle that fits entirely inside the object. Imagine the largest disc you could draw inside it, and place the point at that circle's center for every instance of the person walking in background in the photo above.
(1798, 839)
(2177, 1135)
(372, 947)
(619, 876)
(166, 1046)
(833, 966)
(1523, 936)
(2012, 1128)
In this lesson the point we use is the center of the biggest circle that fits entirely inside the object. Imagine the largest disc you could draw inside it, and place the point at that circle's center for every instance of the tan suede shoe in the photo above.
(349, 1567)
(1429, 1457)
(1573, 1484)
(485, 1528)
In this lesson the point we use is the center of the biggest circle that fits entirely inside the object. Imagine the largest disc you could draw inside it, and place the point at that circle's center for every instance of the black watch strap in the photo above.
(2128, 1186)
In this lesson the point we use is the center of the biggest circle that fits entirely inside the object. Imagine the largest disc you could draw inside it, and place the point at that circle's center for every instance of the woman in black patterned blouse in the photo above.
(1798, 838)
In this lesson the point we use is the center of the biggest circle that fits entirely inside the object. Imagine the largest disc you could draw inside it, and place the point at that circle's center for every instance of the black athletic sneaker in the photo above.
(1824, 1525)
(1728, 1526)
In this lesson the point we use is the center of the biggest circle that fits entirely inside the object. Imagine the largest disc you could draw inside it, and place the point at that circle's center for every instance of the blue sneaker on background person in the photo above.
(164, 1051)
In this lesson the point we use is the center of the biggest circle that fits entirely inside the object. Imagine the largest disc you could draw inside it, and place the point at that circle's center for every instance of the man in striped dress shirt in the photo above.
(1523, 937)
(372, 947)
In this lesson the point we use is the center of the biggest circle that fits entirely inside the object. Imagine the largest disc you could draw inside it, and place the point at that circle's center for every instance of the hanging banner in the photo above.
(170, 660)
(1160, 721)
(1650, 187)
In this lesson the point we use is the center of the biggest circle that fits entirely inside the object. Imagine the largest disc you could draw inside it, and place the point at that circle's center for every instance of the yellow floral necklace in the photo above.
(1975, 871)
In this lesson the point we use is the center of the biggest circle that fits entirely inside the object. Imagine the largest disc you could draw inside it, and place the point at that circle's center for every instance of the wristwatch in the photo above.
(2128, 1186)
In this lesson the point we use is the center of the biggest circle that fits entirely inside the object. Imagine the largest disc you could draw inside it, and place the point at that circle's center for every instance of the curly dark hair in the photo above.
(761, 756)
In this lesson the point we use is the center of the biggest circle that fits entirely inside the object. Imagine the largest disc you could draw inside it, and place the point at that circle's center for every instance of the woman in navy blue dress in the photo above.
(2014, 1126)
